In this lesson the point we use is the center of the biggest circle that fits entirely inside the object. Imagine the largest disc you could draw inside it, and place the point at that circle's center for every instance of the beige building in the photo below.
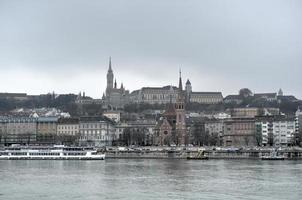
(161, 95)
(68, 126)
(239, 132)
(68, 131)
(17, 130)
(206, 97)
(154, 95)
(47, 130)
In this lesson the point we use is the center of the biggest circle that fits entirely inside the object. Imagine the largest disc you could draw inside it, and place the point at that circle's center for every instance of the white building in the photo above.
(275, 130)
(283, 132)
(96, 131)
(298, 121)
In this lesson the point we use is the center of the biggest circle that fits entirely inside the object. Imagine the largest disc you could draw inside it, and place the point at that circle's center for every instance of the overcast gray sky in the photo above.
(221, 45)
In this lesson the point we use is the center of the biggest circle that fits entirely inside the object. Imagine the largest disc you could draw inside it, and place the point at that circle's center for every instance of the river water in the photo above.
(150, 179)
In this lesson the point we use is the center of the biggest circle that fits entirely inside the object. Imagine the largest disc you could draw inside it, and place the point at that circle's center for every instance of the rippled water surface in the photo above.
(150, 179)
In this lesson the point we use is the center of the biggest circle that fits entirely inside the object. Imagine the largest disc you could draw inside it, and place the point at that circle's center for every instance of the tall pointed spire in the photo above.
(180, 81)
(110, 67)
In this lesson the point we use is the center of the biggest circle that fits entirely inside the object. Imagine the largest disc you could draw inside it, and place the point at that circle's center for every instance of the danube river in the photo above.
(150, 179)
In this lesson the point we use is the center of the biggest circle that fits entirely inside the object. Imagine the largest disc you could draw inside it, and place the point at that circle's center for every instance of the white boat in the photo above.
(273, 156)
(51, 153)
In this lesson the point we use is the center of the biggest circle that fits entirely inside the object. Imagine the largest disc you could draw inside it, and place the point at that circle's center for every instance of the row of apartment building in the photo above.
(91, 131)
(249, 129)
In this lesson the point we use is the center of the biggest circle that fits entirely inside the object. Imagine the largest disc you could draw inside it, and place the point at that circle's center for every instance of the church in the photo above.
(171, 128)
(115, 97)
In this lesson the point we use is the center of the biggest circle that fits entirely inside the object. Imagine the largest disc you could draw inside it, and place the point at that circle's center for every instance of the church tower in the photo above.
(109, 79)
(188, 91)
(180, 115)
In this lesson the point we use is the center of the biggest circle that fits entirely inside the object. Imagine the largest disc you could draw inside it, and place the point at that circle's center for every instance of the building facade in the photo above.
(202, 97)
(214, 128)
(68, 131)
(47, 130)
(17, 130)
(161, 95)
(284, 132)
(154, 95)
(239, 132)
(96, 131)
(139, 132)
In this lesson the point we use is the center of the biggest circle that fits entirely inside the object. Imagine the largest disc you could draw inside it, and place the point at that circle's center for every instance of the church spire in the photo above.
(180, 81)
(110, 67)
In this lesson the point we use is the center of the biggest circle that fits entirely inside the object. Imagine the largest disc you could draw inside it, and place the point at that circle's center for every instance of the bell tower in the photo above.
(180, 115)
(109, 79)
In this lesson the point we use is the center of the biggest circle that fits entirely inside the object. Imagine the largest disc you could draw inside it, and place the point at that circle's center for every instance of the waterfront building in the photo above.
(67, 131)
(239, 132)
(277, 130)
(17, 130)
(264, 130)
(298, 125)
(196, 131)
(214, 128)
(96, 131)
(138, 132)
(47, 130)
(284, 131)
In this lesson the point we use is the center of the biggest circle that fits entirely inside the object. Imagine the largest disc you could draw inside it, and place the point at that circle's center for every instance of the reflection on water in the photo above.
(150, 179)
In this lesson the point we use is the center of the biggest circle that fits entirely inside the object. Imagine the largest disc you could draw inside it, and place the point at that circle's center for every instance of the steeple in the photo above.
(110, 77)
(110, 68)
(180, 81)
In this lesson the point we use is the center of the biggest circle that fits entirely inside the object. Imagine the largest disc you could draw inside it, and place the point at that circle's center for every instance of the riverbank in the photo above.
(211, 154)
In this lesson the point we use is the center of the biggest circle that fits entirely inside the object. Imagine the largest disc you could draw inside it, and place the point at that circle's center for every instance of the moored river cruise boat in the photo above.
(57, 152)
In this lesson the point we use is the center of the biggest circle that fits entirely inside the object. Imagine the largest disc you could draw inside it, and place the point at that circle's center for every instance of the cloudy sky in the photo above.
(220, 45)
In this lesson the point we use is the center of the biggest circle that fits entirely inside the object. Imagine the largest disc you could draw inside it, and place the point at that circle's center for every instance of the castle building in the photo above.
(202, 97)
(154, 95)
(115, 97)
(161, 95)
